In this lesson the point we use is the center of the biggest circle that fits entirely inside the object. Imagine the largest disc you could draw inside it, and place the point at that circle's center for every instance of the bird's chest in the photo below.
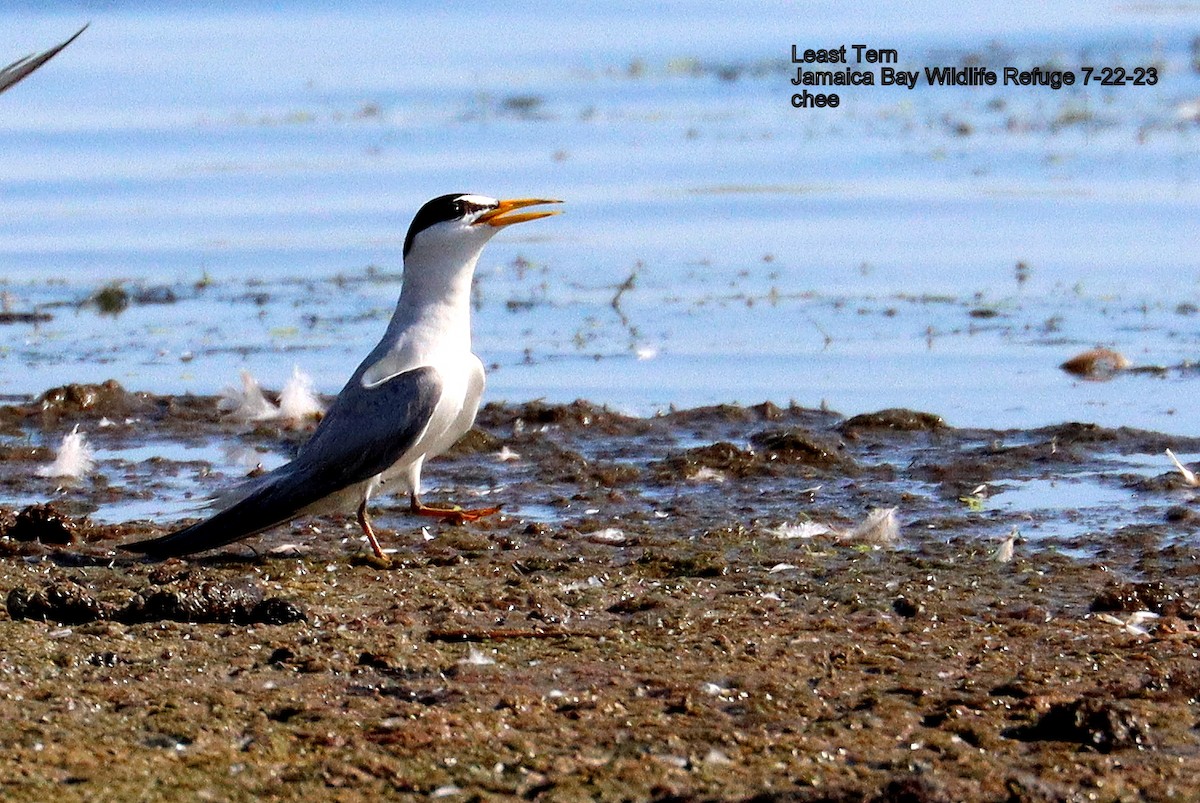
(461, 378)
(462, 388)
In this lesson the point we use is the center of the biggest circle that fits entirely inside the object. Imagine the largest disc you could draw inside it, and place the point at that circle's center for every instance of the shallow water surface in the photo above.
(256, 168)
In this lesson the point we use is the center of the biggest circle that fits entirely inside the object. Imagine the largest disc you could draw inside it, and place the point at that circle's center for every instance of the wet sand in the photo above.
(645, 621)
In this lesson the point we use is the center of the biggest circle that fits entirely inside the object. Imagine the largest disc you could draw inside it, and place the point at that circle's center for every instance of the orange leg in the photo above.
(364, 521)
(454, 515)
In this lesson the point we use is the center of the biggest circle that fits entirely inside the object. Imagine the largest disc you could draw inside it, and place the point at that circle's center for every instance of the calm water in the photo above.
(257, 166)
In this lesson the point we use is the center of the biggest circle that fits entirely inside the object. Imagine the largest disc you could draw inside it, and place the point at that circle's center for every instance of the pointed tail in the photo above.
(274, 502)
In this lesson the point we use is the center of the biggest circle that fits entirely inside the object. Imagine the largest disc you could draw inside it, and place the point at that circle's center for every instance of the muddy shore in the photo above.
(656, 615)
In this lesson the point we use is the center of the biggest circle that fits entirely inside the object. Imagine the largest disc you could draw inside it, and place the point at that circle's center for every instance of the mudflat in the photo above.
(683, 607)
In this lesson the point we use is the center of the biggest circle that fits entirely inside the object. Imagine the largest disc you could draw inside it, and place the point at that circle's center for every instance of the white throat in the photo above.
(438, 271)
(432, 321)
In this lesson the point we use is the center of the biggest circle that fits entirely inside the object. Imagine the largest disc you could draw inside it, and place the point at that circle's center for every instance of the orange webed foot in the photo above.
(454, 515)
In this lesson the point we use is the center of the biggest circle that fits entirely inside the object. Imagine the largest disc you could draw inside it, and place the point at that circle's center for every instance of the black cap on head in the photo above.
(439, 210)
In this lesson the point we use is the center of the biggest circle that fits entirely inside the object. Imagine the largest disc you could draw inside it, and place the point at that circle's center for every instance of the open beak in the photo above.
(499, 216)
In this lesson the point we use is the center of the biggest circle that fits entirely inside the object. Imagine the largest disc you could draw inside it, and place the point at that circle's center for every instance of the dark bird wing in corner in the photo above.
(364, 433)
(13, 73)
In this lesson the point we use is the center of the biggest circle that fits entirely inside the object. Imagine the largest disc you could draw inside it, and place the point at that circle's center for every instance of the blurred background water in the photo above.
(246, 173)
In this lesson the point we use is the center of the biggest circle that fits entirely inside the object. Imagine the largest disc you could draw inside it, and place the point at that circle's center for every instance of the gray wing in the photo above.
(364, 433)
(13, 73)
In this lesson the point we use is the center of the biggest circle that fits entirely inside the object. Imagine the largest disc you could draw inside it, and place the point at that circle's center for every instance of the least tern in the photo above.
(13, 73)
(414, 395)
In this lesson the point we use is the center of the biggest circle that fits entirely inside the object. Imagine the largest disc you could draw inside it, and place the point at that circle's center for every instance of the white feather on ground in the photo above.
(247, 403)
(706, 474)
(609, 535)
(879, 528)
(1005, 549)
(1189, 476)
(297, 401)
(476, 657)
(74, 458)
(802, 529)
(506, 455)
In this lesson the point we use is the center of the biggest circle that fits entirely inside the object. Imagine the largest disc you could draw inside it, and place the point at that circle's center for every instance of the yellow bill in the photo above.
(500, 215)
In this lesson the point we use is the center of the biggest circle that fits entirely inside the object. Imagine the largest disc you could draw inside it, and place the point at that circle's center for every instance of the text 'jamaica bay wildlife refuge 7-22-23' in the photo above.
(414, 395)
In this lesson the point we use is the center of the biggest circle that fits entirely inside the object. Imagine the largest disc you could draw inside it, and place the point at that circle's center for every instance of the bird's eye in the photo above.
(460, 208)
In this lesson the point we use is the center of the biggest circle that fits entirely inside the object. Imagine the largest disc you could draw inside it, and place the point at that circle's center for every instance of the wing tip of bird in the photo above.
(151, 547)
(172, 545)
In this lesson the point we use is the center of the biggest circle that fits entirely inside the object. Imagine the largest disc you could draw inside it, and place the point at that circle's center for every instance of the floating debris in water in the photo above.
(112, 299)
(247, 403)
(976, 498)
(297, 402)
(1188, 111)
(1189, 476)
(74, 459)
(8, 316)
(1098, 364)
